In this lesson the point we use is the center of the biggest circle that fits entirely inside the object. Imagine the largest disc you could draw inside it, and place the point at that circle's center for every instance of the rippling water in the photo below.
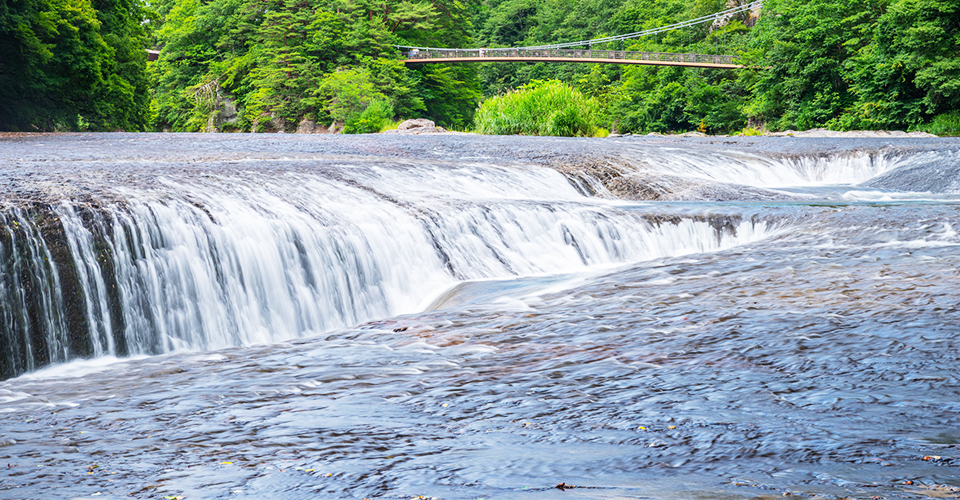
(451, 317)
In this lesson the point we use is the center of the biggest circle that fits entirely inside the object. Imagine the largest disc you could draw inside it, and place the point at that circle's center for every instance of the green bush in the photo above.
(947, 124)
(539, 108)
(750, 131)
(377, 116)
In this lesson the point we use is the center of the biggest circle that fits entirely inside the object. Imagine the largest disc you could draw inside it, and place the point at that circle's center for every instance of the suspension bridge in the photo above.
(583, 52)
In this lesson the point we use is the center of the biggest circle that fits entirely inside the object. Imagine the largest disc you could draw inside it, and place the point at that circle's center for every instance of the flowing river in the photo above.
(467, 317)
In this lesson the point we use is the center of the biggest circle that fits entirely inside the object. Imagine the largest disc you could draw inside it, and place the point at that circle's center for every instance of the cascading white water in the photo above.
(763, 172)
(89, 272)
(27, 265)
(236, 257)
(228, 260)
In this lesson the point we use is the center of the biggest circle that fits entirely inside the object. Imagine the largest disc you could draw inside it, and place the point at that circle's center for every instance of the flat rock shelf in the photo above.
(459, 317)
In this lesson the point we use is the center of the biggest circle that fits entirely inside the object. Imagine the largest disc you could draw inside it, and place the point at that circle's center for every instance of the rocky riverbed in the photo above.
(456, 316)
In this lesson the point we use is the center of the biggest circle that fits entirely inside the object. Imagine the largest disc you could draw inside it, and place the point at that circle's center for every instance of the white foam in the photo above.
(736, 167)
(76, 369)
(887, 196)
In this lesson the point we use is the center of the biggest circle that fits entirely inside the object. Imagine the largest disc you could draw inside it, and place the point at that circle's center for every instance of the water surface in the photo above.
(462, 318)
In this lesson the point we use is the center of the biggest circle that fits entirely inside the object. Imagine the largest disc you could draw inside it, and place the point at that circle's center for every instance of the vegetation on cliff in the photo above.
(869, 64)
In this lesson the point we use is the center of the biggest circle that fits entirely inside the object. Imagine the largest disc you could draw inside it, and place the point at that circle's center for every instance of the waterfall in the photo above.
(253, 254)
(194, 261)
(776, 171)
(33, 329)
(213, 261)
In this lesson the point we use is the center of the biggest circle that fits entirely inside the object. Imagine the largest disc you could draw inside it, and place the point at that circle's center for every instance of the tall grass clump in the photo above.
(539, 108)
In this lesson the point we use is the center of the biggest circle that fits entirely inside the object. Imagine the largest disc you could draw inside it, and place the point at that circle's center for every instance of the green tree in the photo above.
(284, 74)
(272, 58)
(910, 71)
(347, 93)
(807, 45)
(122, 100)
(66, 66)
(204, 50)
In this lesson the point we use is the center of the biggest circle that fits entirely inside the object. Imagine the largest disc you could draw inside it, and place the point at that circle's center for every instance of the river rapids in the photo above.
(467, 317)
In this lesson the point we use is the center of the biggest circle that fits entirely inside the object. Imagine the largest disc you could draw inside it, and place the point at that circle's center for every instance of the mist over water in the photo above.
(463, 317)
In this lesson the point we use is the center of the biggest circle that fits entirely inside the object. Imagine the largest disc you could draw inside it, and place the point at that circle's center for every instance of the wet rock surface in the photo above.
(49, 166)
(671, 318)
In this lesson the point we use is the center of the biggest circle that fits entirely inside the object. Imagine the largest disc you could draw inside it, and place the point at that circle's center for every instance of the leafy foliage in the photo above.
(631, 99)
(72, 64)
(269, 64)
(347, 93)
(282, 61)
(808, 45)
(909, 72)
(539, 108)
(374, 118)
(816, 63)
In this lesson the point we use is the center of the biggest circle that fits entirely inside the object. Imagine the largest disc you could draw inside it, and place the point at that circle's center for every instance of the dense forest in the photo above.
(271, 65)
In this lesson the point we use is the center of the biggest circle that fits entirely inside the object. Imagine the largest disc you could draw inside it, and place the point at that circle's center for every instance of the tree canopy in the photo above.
(73, 65)
(282, 61)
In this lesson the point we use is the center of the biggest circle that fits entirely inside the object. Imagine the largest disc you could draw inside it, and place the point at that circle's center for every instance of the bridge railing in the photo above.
(567, 53)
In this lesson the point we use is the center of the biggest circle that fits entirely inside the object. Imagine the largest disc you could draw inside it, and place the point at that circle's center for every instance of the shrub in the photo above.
(391, 125)
(539, 108)
(751, 131)
(947, 124)
(374, 118)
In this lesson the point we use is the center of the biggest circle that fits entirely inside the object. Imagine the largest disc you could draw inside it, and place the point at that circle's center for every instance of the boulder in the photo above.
(417, 123)
(419, 126)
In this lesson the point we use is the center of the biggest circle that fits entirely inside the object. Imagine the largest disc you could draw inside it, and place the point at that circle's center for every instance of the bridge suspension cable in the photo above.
(628, 36)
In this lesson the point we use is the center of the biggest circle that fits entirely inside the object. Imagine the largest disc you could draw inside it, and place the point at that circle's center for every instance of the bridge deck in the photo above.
(570, 56)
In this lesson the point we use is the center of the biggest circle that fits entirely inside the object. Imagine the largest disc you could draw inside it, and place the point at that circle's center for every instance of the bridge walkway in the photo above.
(447, 56)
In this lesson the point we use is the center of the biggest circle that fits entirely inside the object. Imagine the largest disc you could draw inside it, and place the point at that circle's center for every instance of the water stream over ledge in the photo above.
(463, 317)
